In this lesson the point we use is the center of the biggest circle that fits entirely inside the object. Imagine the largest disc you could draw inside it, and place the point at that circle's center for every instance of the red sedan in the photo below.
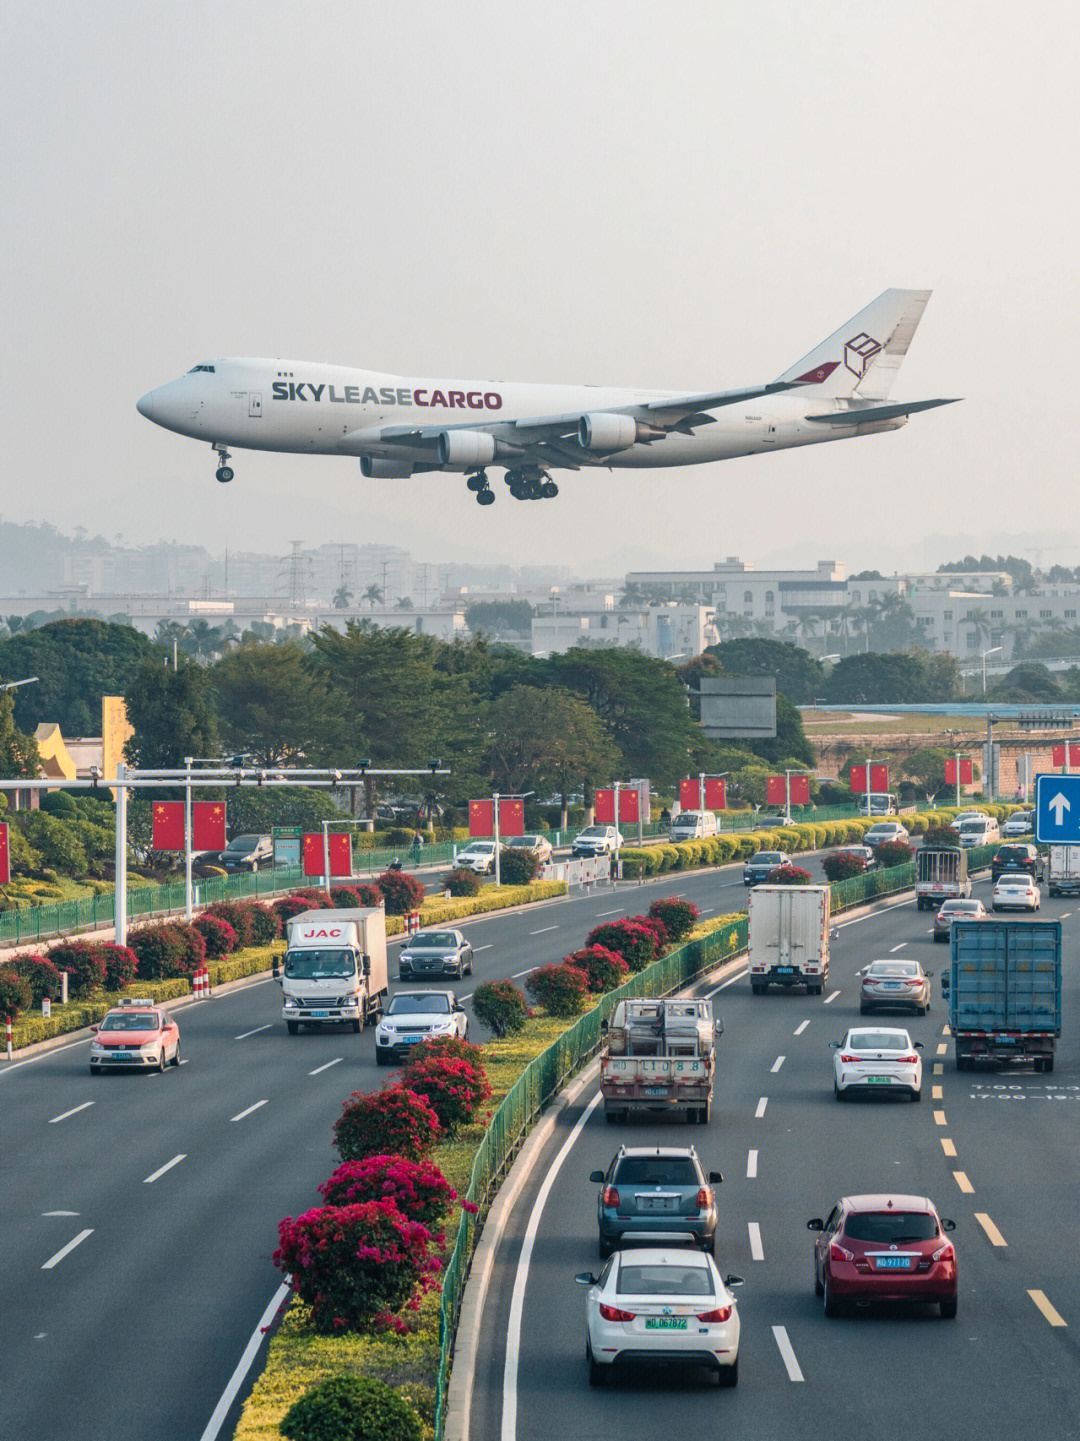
(884, 1248)
(137, 1035)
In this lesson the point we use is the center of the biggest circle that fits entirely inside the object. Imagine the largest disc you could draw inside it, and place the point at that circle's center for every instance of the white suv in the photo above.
(479, 856)
(597, 841)
(885, 831)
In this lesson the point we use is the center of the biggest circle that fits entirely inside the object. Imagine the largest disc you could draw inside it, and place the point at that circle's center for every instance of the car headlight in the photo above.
(290, 1003)
(148, 1049)
(96, 1048)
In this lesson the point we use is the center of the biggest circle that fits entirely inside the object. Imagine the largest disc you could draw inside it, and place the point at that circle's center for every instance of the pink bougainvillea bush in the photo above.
(121, 964)
(454, 1086)
(500, 1006)
(418, 1189)
(356, 1266)
(789, 876)
(39, 973)
(562, 990)
(678, 915)
(85, 968)
(401, 892)
(635, 943)
(604, 969)
(219, 936)
(391, 1122)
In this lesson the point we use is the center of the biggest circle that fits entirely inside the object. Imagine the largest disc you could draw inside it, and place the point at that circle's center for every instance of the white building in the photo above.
(669, 631)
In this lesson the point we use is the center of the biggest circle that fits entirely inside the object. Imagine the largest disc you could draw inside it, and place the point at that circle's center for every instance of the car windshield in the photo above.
(1016, 883)
(320, 965)
(243, 843)
(768, 858)
(894, 1228)
(975, 825)
(434, 941)
(419, 1003)
(959, 908)
(1013, 853)
(526, 842)
(481, 848)
(660, 1280)
(594, 831)
(878, 1041)
(132, 1021)
(893, 968)
(655, 1171)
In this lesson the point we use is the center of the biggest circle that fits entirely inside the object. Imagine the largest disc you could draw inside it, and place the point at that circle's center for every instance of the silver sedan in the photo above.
(897, 983)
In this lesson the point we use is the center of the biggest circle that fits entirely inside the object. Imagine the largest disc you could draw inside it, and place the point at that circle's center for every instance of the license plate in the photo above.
(892, 1263)
(785, 970)
(318, 1014)
(665, 1323)
(656, 1090)
(656, 1203)
(879, 1080)
(409, 1040)
(892, 985)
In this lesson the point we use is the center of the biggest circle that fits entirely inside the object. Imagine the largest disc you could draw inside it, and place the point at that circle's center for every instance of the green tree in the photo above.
(171, 712)
(545, 738)
(342, 596)
(496, 617)
(374, 595)
(18, 751)
(799, 675)
(790, 745)
(266, 701)
(1027, 682)
(77, 661)
(874, 678)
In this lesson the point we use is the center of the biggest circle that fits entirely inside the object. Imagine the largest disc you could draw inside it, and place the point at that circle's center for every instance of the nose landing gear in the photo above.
(224, 472)
(479, 484)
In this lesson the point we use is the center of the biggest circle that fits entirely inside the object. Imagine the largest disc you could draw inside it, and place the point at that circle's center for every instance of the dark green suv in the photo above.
(656, 1193)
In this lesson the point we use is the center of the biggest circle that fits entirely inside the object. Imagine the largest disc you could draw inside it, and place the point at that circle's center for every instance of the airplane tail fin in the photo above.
(861, 359)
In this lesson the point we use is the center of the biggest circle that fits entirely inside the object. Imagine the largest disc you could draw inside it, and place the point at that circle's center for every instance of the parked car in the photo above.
(135, 1035)
(435, 953)
(246, 853)
(758, 868)
(958, 909)
(666, 1308)
(1015, 891)
(1018, 856)
(894, 983)
(656, 1192)
(884, 1248)
(536, 842)
(413, 1016)
(1020, 823)
(880, 1060)
(597, 841)
(883, 831)
(479, 856)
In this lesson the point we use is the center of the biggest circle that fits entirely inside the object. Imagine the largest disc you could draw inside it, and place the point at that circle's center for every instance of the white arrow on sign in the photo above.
(1059, 805)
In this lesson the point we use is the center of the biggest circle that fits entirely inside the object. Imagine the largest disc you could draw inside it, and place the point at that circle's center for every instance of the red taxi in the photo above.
(884, 1248)
(135, 1035)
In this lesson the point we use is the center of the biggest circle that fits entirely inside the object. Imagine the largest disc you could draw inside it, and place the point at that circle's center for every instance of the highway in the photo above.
(141, 1211)
(996, 1152)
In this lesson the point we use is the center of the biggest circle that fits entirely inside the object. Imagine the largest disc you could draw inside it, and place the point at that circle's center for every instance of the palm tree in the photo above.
(373, 595)
(404, 602)
(342, 596)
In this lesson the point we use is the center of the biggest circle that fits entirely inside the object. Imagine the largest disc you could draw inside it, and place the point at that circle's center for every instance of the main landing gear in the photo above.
(479, 483)
(224, 472)
(531, 483)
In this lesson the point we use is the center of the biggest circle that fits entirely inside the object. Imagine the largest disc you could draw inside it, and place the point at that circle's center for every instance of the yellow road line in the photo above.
(939, 1118)
(996, 1238)
(939, 1069)
(964, 1184)
(947, 1146)
(1045, 1307)
(935, 1093)
(945, 1031)
(942, 1049)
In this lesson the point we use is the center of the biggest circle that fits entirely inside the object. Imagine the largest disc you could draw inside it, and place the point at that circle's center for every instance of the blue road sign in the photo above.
(1057, 809)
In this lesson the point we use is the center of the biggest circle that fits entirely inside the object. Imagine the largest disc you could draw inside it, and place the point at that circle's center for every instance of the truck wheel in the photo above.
(292, 1027)
(1048, 1063)
(705, 1112)
(961, 1062)
(357, 1026)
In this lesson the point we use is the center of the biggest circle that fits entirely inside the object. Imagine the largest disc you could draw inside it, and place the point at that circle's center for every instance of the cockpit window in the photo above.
(194, 368)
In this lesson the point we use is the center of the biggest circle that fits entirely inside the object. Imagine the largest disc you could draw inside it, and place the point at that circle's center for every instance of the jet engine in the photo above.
(607, 431)
(466, 448)
(378, 467)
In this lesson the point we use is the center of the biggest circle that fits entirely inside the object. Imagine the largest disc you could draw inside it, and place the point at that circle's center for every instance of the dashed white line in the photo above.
(960, 1177)
(751, 1165)
(900, 947)
(244, 1034)
(543, 930)
(319, 1069)
(524, 973)
(756, 1253)
(477, 949)
(153, 1176)
(787, 1353)
(724, 984)
(800, 1028)
(73, 1112)
(831, 997)
(761, 1108)
(776, 1065)
(616, 912)
(66, 1250)
(241, 1114)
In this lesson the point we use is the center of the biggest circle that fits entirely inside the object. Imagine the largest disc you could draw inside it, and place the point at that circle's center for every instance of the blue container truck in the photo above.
(1003, 986)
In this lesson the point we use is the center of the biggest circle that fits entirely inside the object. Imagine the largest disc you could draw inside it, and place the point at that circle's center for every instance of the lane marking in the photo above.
(244, 1034)
(524, 973)
(66, 1250)
(724, 984)
(73, 1112)
(947, 1146)
(996, 1238)
(59, 1213)
(776, 1065)
(319, 1069)
(939, 1118)
(616, 912)
(153, 1176)
(945, 1030)
(1039, 1297)
(1064, 916)
(213, 1427)
(900, 947)
(942, 1049)
(477, 949)
(800, 1028)
(761, 1108)
(517, 1299)
(962, 1181)
(829, 999)
(543, 930)
(751, 1165)
(756, 1253)
(241, 1114)
(936, 1093)
(939, 1069)
(787, 1353)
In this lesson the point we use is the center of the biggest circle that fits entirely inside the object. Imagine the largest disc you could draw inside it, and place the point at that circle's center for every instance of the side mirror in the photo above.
(928, 974)
(948, 1225)
(604, 1026)
(918, 1045)
(459, 1007)
(367, 965)
(597, 1177)
(715, 1176)
(733, 1282)
(816, 1224)
(945, 983)
(719, 1027)
(95, 1029)
(585, 1278)
(834, 1045)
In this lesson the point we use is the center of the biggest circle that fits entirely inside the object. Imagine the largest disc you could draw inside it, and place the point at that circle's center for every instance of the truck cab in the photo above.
(335, 969)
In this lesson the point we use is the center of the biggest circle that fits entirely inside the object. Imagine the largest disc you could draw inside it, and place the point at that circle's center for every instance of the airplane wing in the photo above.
(863, 414)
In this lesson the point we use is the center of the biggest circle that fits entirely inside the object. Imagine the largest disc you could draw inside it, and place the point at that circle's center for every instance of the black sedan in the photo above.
(435, 953)
(758, 868)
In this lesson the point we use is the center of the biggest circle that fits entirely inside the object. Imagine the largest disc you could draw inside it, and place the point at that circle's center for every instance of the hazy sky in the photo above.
(679, 195)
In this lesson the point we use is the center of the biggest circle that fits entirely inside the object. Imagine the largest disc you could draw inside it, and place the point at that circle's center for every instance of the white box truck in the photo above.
(335, 968)
(789, 937)
(1063, 874)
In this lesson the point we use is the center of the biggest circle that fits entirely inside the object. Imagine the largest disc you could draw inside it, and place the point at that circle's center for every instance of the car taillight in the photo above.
(611, 1196)
(848, 1060)
(837, 1253)
(914, 981)
(704, 1199)
(869, 981)
(722, 1313)
(908, 1060)
(612, 1313)
(944, 1253)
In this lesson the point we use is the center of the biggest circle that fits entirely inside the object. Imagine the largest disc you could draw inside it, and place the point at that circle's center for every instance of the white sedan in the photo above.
(664, 1308)
(879, 1059)
(478, 856)
(1014, 891)
(536, 842)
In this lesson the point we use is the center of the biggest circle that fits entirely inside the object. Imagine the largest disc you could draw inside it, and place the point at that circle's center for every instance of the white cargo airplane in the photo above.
(399, 426)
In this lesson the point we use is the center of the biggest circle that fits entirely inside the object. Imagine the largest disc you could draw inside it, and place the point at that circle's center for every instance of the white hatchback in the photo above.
(1014, 891)
(668, 1307)
(879, 1059)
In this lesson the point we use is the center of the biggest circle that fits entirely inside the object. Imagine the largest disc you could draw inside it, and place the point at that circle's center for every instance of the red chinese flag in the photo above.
(339, 845)
(715, 793)
(481, 821)
(1074, 754)
(775, 791)
(879, 778)
(208, 825)
(966, 771)
(168, 826)
(511, 818)
(689, 795)
(629, 802)
(5, 855)
(800, 790)
(605, 807)
(950, 771)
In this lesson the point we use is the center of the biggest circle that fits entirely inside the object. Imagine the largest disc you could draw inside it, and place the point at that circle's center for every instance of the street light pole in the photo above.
(495, 828)
(994, 649)
(120, 884)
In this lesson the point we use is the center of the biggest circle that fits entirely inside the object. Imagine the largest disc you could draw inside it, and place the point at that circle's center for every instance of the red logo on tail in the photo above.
(815, 377)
